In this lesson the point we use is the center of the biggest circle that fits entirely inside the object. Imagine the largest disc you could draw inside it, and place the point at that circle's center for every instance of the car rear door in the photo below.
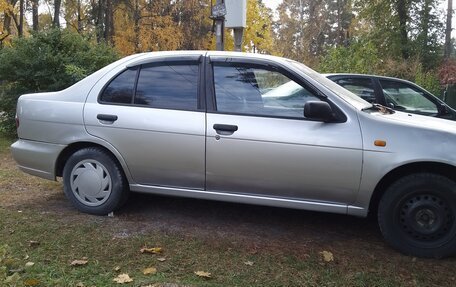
(152, 114)
(258, 141)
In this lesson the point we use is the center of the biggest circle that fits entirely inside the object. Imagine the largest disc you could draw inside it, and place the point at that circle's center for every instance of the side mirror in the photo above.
(318, 111)
(442, 109)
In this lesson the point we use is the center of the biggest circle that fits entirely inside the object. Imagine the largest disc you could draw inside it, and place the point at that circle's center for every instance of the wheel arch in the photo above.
(443, 169)
(73, 147)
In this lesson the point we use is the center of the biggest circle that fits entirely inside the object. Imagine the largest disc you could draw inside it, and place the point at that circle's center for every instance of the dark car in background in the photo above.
(398, 94)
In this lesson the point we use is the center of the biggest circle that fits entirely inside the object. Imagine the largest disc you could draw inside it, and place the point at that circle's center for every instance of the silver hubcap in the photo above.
(90, 182)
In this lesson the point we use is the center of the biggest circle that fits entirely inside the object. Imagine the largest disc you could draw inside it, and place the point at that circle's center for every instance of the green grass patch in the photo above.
(52, 244)
(5, 142)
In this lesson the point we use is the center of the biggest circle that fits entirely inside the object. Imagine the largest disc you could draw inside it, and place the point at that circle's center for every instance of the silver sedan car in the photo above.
(243, 128)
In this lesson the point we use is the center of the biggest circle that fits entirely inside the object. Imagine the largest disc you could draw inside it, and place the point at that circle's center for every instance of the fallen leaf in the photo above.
(80, 284)
(31, 282)
(203, 274)
(248, 263)
(117, 268)
(29, 264)
(153, 250)
(149, 271)
(327, 256)
(122, 279)
(26, 257)
(79, 262)
(161, 259)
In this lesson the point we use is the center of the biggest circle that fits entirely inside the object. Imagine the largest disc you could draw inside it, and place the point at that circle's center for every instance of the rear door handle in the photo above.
(225, 129)
(108, 118)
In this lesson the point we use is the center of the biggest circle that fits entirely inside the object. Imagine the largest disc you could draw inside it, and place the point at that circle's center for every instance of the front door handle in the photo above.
(107, 118)
(225, 129)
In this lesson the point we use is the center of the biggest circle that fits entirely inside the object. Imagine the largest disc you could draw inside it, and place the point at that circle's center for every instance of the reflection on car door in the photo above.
(155, 122)
(258, 141)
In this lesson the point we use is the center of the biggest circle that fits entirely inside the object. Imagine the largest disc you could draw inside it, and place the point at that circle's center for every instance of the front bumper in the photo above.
(36, 158)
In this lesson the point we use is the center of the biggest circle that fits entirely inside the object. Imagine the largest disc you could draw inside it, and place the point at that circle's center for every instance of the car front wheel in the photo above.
(417, 213)
(94, 182)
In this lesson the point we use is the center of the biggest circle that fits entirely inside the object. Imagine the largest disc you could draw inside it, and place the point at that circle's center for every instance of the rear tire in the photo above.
(94, 182)
(417, 215)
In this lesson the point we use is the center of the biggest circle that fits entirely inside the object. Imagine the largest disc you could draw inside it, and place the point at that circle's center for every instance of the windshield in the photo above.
(346, 95)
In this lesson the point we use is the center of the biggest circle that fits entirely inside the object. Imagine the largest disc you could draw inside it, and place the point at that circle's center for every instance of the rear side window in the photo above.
(362, 87)
(121, 89)
(168, 86)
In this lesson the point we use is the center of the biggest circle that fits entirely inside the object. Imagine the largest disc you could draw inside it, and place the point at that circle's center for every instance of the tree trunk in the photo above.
(109, 23)
(448, 30)
(99, 23)
(79, 17)
(401, 6)
(136, 18)
(35, 14)
(20, 30)
(425, 33)
(57, 4)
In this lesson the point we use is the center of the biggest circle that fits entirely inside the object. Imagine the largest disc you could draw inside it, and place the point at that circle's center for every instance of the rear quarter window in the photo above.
(121, 89)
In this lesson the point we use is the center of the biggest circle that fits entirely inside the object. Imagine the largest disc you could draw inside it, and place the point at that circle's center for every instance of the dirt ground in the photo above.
(255, 228)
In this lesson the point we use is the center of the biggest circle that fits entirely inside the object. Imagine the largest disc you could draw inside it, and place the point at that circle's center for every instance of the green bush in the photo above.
(46, 61)
(359, 57)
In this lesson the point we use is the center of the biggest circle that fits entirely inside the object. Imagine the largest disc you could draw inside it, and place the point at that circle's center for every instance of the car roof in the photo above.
(144, 57)
(328, 75)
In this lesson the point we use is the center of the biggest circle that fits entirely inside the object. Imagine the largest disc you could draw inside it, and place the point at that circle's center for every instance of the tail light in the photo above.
(17, 122)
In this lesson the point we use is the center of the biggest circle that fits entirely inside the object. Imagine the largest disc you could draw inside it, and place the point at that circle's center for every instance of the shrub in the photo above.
(46, 61)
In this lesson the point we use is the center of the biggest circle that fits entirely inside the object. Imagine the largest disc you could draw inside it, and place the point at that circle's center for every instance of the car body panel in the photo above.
(36, 158)
(284, 158)
(160, 147)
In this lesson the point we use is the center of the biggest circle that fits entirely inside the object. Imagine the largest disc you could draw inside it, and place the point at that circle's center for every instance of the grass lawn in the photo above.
(41, 235)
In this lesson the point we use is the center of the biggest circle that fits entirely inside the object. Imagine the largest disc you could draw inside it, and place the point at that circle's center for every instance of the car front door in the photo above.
(258, 141)
(152, 115)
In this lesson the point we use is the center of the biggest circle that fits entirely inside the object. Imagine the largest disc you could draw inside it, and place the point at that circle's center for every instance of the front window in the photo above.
(404, 97)
(259, 91)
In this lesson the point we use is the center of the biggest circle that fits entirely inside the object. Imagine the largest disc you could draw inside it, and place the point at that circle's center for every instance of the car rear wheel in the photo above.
(94, 182)
(417, 215)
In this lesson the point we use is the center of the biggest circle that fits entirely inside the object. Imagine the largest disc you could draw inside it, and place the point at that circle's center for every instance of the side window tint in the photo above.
(168, 86)
(257, 91)
(120, 90)
(361, 87)
(403, 97)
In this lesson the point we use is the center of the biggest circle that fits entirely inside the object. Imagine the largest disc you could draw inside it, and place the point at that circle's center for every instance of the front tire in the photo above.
(94, 182)
(417, 214)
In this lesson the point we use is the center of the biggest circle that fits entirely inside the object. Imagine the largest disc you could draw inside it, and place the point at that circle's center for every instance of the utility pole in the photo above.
(236, 17)
(218, 15)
